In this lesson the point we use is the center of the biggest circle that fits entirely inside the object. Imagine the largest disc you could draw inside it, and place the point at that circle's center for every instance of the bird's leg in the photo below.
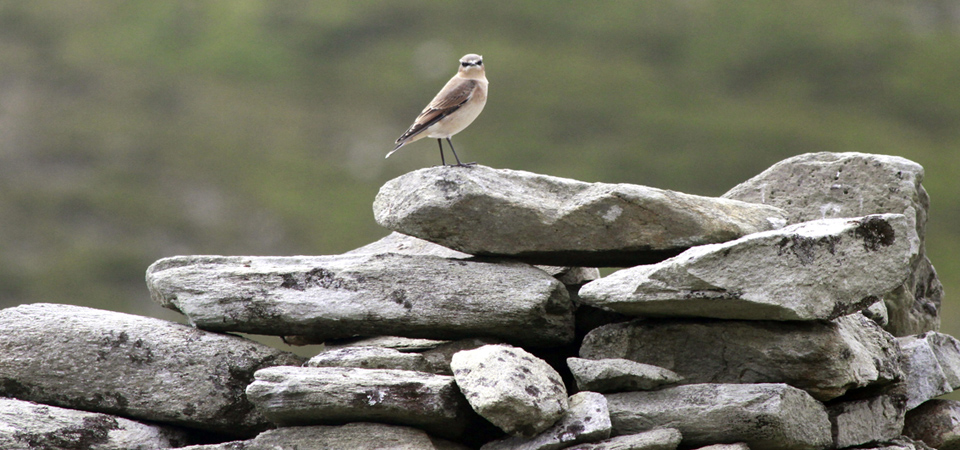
(457, 157)
(440, 141)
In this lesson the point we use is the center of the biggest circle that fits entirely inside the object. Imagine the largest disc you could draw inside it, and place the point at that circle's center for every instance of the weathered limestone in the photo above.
(824, 185)
(617, 375)
(133, 366)
(379, 294)
(947, 350)
(936, 423)
(511, 388)
(900, 443)
(866, 421)
(659, 439)
(352, 436)
(737, 446)
(817, 270)
(924, 378)
(370, 358)
(327, 395)
(824, 358)
(409, 245)
(586, 420)
(558, 221)
(27, 425)
(710, 413)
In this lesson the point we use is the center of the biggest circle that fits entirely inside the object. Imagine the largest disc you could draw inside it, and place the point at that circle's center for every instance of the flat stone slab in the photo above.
(352, 436)
(659, 439)
(330, 297)
(817, 270)
(710, 413)
(32, 426)
(370, 358)
(514, 390)
(936, 423)
(586, 420)
(824, 358)
(617, 375)
(866, 421)
(132, 366)
(830, 185)
(558, 221)
(290, 396)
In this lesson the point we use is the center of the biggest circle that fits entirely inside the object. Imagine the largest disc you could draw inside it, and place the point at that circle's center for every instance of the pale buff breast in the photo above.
(461, 118)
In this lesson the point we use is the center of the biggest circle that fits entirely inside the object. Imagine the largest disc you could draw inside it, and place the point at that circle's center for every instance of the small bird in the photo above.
(453, 109)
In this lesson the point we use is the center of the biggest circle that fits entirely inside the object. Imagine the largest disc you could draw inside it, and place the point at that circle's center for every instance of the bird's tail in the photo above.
(394, 150)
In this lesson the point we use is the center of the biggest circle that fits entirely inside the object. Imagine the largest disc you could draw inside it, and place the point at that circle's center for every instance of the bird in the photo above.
(453, 109)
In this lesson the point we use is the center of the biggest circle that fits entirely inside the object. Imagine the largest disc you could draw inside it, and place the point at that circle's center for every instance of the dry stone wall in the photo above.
(798, 311)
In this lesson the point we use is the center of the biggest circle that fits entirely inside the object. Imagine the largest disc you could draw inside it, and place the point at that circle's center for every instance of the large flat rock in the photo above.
(815, 270)
(31, 426)
(559, 221)
(290, 396)
(352, 436)
(324, 297)
(831, 185)
(765, 416)
(132, 366)
(825, 359)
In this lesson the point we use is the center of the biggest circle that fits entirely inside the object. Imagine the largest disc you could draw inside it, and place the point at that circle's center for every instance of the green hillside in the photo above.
(135, 130)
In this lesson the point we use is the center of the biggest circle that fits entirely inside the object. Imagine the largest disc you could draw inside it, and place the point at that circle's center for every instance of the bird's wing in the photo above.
(450, 99)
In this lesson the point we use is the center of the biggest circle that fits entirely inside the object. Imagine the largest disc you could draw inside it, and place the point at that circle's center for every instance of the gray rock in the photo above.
(866, 421)
(901, 443)
(832, 185)
(31, 426)
(439, 357)
(409, 245)
(936, 423)
(616, 375)
(947, 350)
(398, 343)
(352, 436)
(383, 294)
(572, 276)
(514, 390)
(659, 439)
(737, 446)
(586, 420)
(559, 221)
(765, 416)
(133, 366)
(370, 358)
(825, 185)
(915, 307)
(924, 378)
(328, 395)
(817, 270)
(824, 358)
(877, 312)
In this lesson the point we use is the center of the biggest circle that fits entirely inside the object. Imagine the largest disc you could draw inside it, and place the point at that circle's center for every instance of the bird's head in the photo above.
(471, 65)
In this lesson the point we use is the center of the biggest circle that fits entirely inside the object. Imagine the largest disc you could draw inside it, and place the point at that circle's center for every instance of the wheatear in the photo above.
(455, 107)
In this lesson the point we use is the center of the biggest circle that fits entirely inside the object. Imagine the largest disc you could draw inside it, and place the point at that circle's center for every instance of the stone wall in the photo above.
(797, 311)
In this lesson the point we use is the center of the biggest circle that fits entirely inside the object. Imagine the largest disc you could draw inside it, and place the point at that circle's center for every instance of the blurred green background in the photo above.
(135, 130)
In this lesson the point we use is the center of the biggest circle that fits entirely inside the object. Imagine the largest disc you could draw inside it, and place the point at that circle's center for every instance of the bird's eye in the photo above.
(480, 63)
(464, 64)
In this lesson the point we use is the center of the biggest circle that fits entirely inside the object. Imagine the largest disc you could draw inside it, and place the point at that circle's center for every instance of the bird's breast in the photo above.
(462, 117)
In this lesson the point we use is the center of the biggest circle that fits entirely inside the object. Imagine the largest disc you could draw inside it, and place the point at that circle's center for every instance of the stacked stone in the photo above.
(798, 311)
